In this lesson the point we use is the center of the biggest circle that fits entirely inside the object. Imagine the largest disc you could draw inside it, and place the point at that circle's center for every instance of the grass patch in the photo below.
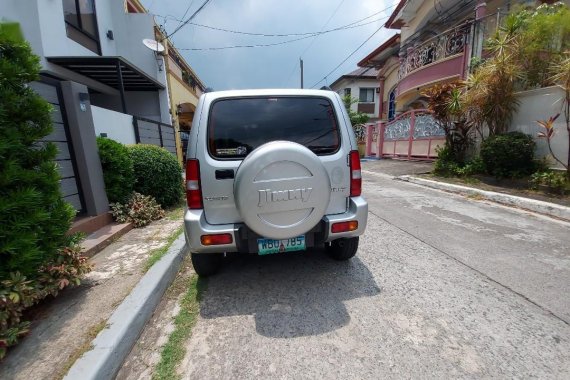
(86, 346)
(476, 197)
(156, 254)
(175, 349)
(177, 212)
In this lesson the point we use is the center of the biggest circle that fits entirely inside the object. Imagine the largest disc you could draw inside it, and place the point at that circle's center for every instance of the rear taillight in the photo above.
(344, 226)
(355, 174)
(216, 239)
(193, 189)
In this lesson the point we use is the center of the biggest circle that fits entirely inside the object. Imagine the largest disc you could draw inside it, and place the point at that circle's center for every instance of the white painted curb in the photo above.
(534, 205)
(113, 343)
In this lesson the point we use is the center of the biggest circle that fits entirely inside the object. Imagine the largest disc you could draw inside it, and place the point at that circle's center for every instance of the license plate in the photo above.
(269, 246)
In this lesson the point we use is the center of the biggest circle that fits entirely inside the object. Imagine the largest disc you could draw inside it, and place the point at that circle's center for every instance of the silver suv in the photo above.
(272, 171)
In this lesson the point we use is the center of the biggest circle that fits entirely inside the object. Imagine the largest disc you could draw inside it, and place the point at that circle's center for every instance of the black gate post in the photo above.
(136, 128)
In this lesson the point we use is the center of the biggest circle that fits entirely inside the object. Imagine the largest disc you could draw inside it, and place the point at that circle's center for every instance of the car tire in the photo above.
(207, 264)
(342, 249)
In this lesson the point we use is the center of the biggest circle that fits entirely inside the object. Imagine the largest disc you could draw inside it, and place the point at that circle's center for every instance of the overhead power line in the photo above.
(270, 44)
(185, 12)
(248, 46)
(346, 59)
(170, 17)
(189, 18)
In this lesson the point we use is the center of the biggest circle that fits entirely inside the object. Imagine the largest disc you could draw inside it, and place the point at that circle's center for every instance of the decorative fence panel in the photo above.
(412, 135)
(154, 132)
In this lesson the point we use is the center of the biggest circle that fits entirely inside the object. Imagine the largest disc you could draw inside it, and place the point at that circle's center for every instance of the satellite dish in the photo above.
(153, 45)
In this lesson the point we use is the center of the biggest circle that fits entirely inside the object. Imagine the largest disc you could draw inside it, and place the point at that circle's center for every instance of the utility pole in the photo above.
(301, 62)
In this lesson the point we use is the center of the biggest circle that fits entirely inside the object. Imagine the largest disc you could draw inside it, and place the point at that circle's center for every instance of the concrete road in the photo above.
(442, 286)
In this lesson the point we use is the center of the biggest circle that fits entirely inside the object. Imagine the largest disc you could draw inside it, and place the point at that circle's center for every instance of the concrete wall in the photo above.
(118, 126)
(355, 85)
(181, 93)
(43, 25)
(540, 104)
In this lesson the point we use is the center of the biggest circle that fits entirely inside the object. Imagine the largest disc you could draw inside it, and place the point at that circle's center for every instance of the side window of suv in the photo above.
(238, 126)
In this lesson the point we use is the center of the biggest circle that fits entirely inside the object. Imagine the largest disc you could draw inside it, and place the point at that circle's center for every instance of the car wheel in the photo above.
(207, 264)
(342, 249)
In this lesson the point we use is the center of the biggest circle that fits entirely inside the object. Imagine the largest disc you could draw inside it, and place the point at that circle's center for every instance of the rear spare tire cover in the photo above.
(281, 190)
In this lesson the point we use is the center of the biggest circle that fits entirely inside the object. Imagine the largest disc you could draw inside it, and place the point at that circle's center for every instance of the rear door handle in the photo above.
(225, 174)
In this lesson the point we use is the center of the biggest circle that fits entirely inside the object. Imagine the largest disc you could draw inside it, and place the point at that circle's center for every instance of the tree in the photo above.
(33, 217)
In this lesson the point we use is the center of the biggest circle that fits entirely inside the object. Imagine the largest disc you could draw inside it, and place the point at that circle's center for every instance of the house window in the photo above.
(347, 91)
(392, 105)
(81, 23)
(366, 95)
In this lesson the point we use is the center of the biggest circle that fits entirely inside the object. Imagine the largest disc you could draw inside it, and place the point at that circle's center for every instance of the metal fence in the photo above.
(153, 132)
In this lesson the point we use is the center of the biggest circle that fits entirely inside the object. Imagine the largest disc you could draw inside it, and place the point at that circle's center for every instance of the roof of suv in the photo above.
(269, 92)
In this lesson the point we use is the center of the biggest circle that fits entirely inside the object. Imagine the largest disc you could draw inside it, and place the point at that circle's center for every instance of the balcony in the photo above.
(439, 58)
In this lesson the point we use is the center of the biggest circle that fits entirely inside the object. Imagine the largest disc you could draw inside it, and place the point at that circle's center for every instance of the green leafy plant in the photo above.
(556, 182)
(357, 119)
(118, 172)
(157, 173)
(18, 292)
(508, 155)
(140, 210)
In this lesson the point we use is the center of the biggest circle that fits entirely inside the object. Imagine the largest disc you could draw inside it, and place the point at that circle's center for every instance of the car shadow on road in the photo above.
(289, 295)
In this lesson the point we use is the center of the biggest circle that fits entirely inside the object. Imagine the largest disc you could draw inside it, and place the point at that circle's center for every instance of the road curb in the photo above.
(113, 343)
(541, 207)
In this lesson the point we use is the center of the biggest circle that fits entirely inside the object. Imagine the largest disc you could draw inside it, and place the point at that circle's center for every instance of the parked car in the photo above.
(272, 171)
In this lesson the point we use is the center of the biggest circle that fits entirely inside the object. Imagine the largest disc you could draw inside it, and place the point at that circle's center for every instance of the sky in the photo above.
(274, 66)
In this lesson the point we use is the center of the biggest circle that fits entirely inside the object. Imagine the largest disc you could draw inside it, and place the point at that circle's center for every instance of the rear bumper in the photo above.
(243, 239)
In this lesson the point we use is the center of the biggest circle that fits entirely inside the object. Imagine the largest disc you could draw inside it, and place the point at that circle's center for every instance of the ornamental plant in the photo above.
(140, 210)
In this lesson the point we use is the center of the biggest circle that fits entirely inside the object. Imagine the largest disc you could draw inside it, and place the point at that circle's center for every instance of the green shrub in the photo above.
(508, 155)
(556, 182)
(157, 173)
(117, 169)
(445, 164)
(140, 210)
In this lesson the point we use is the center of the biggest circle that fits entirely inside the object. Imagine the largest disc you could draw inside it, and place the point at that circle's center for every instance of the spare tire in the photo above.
(281, 190)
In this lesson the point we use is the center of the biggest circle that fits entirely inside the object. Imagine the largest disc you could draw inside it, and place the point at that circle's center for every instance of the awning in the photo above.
(110, 71)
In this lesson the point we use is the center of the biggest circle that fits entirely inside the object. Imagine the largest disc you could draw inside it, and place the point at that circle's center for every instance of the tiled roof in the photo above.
(363, 72)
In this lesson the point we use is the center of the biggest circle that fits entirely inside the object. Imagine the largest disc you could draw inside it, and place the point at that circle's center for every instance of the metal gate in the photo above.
(65, 159)
(154, 132)
(412, 135)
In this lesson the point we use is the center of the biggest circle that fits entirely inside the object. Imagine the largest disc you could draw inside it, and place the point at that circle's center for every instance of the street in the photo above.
(442, 286)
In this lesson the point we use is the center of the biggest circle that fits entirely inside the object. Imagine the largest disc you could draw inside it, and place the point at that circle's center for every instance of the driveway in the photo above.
(442, 286)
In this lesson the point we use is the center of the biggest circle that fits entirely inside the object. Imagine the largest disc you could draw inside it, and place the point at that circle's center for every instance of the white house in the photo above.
(102, 81)
(362, 85)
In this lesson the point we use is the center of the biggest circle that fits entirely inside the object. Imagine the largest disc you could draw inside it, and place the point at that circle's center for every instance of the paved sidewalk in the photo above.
(66, 325)
(398, 167)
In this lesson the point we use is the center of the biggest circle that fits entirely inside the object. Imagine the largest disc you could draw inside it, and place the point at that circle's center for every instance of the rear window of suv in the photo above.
(238, 126)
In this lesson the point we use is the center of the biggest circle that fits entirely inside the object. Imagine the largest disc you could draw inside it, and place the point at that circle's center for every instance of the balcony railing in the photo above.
(435, 49)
